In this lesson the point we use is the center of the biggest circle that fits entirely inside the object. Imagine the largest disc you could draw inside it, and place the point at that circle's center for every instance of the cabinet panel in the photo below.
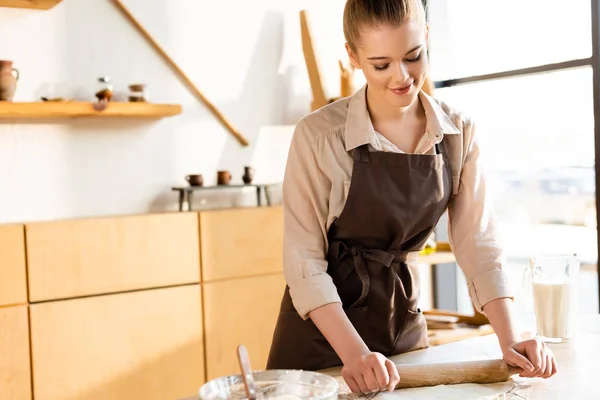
(15, 371)
(240, 311)
(241, 242)
(13, 281)
(91, 256)
(140, 345)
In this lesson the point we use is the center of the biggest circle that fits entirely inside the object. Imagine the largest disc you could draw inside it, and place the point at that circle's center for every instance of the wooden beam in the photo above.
(179, 72)
(319, 98)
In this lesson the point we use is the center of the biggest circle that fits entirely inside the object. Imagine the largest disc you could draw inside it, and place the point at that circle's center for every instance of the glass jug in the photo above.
(551, 284)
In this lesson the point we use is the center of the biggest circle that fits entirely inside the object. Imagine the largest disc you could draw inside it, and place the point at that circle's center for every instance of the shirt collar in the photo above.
(359, 127)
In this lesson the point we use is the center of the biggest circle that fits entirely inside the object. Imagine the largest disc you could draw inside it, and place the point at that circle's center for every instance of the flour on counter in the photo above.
(494, 391)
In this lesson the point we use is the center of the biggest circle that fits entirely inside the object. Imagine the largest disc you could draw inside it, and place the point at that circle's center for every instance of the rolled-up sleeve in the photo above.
(305, 206)
(474, 234)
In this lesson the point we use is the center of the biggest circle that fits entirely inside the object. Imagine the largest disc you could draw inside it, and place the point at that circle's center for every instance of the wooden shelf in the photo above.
(36, 4)
(439, 257)
(58, 110)
(444, 336)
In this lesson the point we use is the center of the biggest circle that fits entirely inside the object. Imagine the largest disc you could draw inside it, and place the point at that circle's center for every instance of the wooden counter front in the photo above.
(240, 311)
(15, 370)
(13, 281)
(141, 345)
(83, 257)
(241, 242)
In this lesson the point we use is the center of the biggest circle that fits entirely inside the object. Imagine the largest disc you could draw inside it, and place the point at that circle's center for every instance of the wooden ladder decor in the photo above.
(182, 76)
(316, 84)
(320, 98)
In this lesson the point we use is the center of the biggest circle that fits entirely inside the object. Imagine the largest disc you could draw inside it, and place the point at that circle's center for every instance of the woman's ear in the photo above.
(353, 57)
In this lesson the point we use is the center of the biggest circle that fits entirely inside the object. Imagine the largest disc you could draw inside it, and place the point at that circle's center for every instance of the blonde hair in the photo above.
(358, 13)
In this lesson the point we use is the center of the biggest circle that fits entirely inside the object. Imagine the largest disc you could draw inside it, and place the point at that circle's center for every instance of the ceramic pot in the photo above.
(248, 175)
(8, 80)
(223, 177)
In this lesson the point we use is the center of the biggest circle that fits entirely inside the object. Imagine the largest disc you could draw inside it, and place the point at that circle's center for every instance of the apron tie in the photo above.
(360, 254)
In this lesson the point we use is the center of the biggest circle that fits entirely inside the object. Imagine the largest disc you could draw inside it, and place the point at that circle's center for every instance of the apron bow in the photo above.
(360, 254)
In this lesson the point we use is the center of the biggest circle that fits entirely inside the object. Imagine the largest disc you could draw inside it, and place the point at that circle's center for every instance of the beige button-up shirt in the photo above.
(316, 183)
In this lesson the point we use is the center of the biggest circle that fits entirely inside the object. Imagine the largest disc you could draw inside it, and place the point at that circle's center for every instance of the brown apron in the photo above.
(394, 203)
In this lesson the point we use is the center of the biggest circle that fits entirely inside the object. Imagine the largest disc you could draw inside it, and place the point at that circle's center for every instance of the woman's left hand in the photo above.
(533, 357)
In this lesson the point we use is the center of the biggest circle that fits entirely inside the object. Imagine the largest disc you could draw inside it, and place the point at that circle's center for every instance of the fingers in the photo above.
(351, 382)
(382, 376)
(534, 351)
(362, 385)
(548, 371)
(554, 366)
(551, 368)
(355, 382)
(371, 381)
(514, 358)
(540, 359)
(547, 366)
(393, 373)
(542, 369)
(370, 373)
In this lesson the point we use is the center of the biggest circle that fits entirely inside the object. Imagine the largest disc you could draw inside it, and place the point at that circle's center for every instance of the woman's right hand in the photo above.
(370, 372)
(363, 370)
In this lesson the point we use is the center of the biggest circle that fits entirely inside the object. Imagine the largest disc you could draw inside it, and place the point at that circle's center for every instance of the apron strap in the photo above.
(452, 147)
(361, 154)
(360, 256)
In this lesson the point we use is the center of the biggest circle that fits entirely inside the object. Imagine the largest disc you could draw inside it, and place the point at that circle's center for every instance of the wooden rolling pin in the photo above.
(451, 373)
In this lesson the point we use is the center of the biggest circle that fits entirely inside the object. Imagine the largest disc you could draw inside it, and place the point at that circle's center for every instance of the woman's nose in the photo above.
(400, 73)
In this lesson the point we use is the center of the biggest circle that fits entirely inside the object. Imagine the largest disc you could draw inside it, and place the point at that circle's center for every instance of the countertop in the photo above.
(577, 378)
(578, 374)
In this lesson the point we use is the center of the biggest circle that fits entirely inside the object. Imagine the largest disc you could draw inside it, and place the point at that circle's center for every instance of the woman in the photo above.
(367, 179)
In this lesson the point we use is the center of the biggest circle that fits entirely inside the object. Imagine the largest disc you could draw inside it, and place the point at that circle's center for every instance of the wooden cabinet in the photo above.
(105, 255)
(13, 281)
(115, 307)
(15, 370)
(241, 243)
(141, 345)
(240, 311)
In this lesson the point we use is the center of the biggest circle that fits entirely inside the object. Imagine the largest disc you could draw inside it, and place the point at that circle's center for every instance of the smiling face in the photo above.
(393, 60)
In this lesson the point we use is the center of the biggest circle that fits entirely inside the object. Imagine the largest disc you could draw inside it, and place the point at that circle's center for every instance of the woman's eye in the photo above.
(415, 59)
(380, 67)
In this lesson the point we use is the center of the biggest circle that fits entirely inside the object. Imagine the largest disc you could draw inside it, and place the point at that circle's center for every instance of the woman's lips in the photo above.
(401, 91)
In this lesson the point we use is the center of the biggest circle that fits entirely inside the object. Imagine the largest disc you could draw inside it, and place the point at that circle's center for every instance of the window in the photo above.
(474, 37)
(536, 130)
(531, 122)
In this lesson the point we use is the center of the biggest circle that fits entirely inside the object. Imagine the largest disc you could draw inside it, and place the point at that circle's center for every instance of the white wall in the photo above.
(245, 56)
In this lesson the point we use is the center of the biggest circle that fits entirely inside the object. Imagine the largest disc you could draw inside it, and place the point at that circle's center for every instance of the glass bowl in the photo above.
(274, 384)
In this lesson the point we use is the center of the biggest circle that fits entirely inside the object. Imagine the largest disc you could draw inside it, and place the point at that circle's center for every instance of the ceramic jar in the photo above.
(248, 175)
(8, 80)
